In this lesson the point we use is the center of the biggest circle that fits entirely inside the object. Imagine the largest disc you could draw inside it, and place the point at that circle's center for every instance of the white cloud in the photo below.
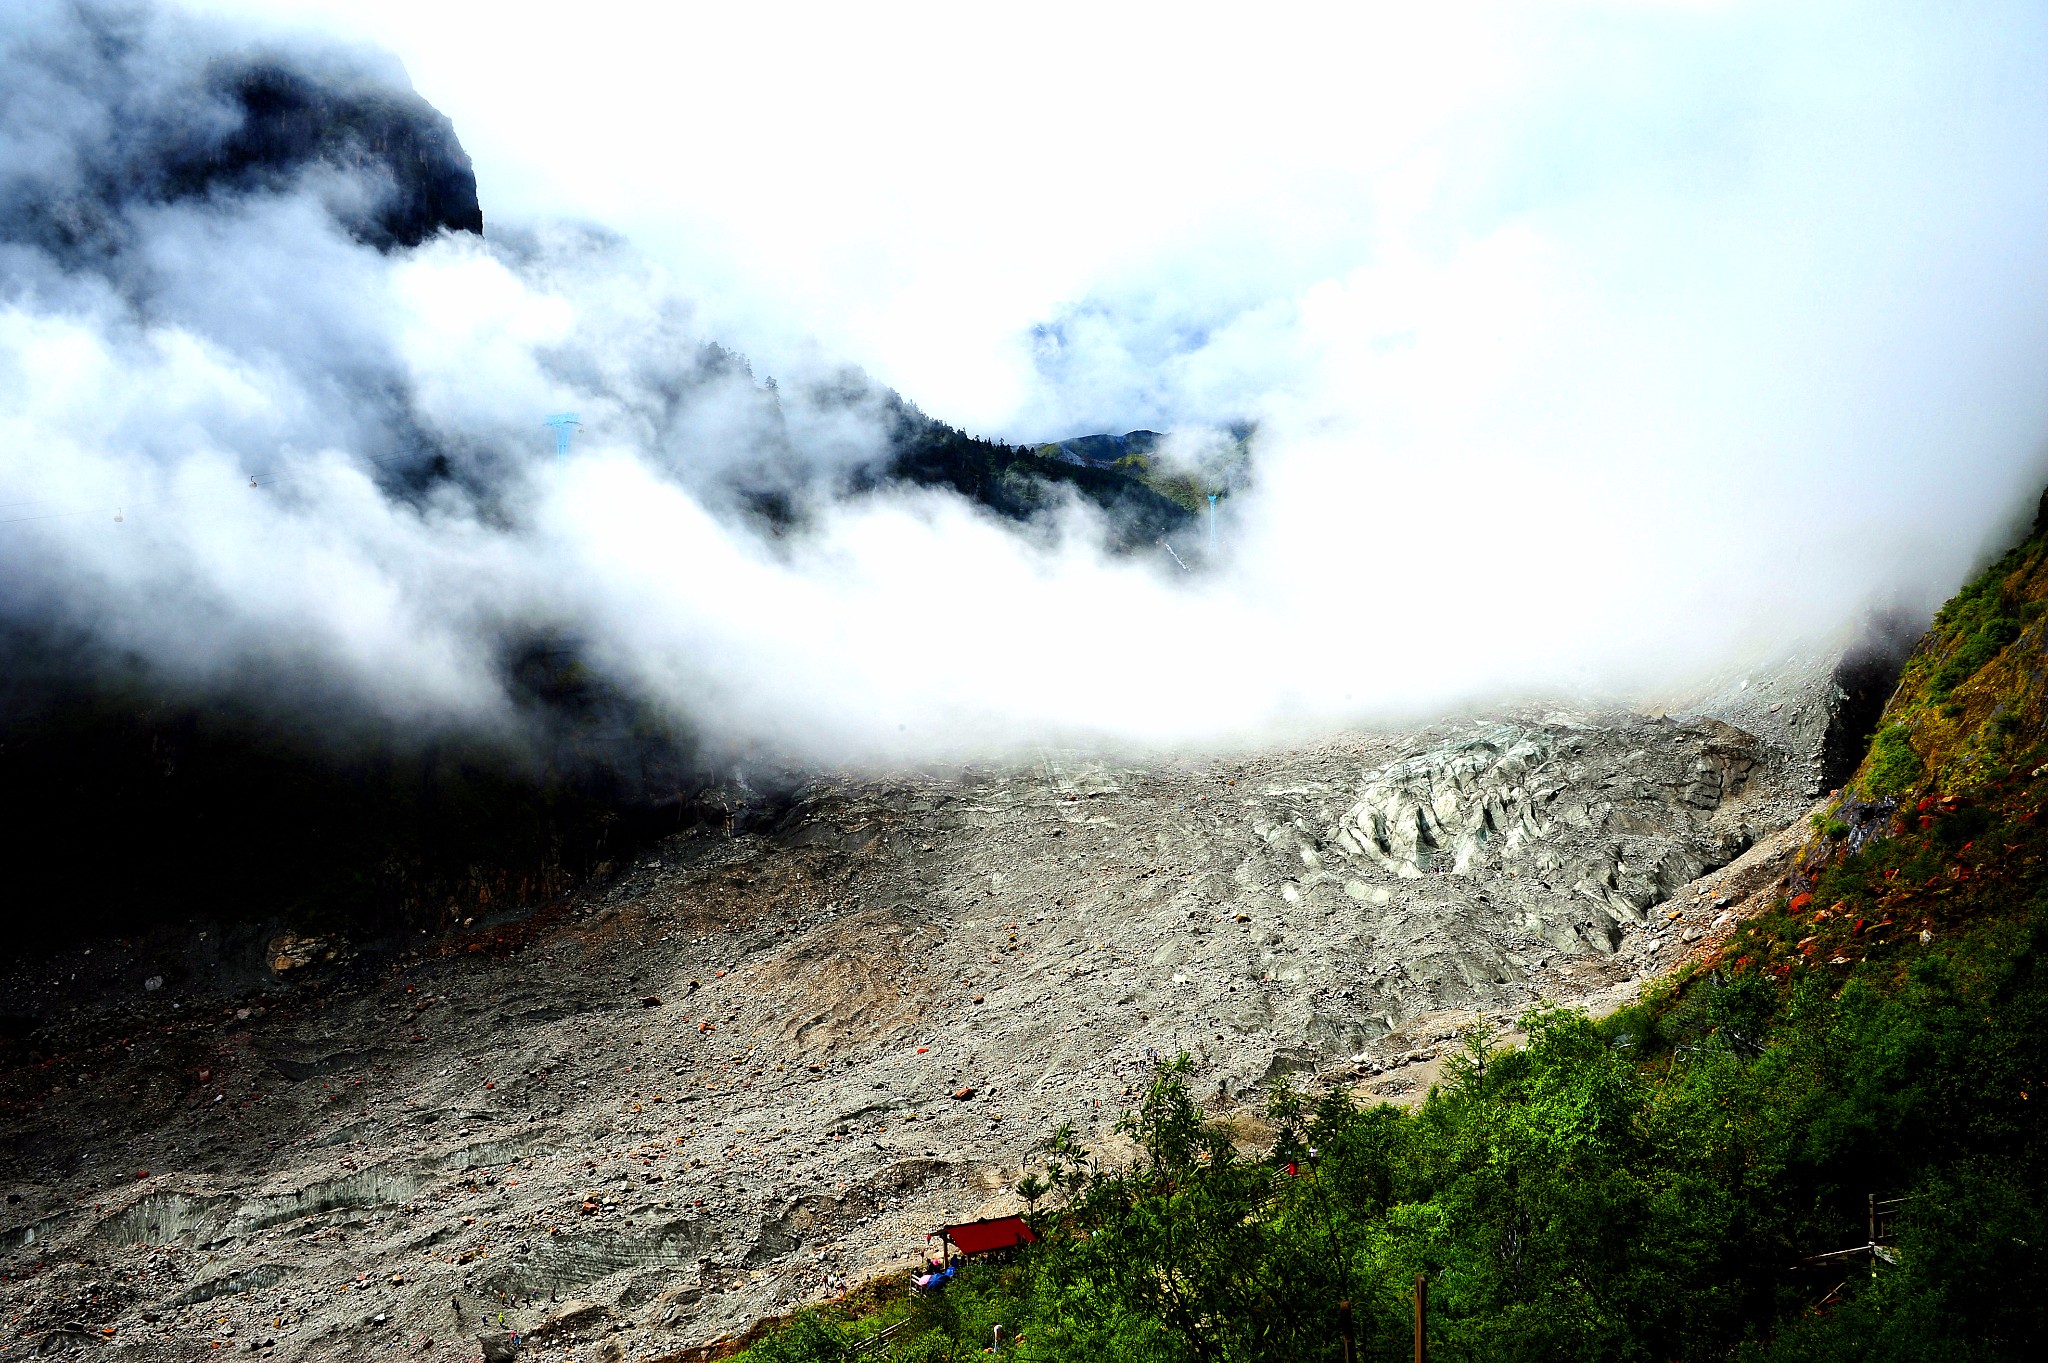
(1586, 345)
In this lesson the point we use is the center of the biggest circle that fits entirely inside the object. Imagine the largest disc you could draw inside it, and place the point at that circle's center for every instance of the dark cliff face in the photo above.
(402, 147)
(145, 805)
(1864, 680)
(109, 112)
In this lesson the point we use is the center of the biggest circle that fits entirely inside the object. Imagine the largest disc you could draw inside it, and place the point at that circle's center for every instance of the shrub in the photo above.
(1893, 767)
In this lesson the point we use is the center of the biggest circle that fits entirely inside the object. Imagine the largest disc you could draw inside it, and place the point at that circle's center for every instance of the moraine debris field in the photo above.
(754, 1067)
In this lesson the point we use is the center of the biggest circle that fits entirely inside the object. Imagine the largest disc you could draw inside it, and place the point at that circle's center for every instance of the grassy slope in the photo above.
(1649, 1186)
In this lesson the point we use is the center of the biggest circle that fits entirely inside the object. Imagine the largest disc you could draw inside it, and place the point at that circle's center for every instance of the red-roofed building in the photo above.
(979, 1237)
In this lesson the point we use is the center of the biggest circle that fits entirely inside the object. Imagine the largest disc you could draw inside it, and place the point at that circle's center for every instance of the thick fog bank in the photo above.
(275, 386)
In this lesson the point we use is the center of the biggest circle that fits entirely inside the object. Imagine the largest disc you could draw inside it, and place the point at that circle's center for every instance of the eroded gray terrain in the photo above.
(755, 1068)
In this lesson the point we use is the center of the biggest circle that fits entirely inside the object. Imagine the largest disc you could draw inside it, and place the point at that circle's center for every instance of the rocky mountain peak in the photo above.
(127, 111)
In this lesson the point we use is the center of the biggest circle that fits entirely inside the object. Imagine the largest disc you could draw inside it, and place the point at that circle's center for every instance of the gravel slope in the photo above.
(753, 1069)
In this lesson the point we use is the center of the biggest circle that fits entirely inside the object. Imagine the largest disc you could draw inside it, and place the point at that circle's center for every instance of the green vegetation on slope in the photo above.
(1219, 464)
(1020, 483)
(1893, 768)
(1973, 691)
(1650, 1186)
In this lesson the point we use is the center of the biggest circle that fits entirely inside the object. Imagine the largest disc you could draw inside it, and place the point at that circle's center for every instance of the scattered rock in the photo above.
(289, 952)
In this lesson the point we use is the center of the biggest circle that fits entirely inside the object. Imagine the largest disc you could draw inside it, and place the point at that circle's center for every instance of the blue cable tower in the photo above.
(562, 421)
(1212, 522)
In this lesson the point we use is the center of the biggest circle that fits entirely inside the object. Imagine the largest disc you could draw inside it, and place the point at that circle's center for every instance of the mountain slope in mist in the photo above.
(234, 455)
(277, 472)
(238, 124)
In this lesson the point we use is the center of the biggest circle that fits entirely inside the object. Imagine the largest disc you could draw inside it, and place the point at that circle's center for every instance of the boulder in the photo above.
(573, 1314)
(289, 952)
